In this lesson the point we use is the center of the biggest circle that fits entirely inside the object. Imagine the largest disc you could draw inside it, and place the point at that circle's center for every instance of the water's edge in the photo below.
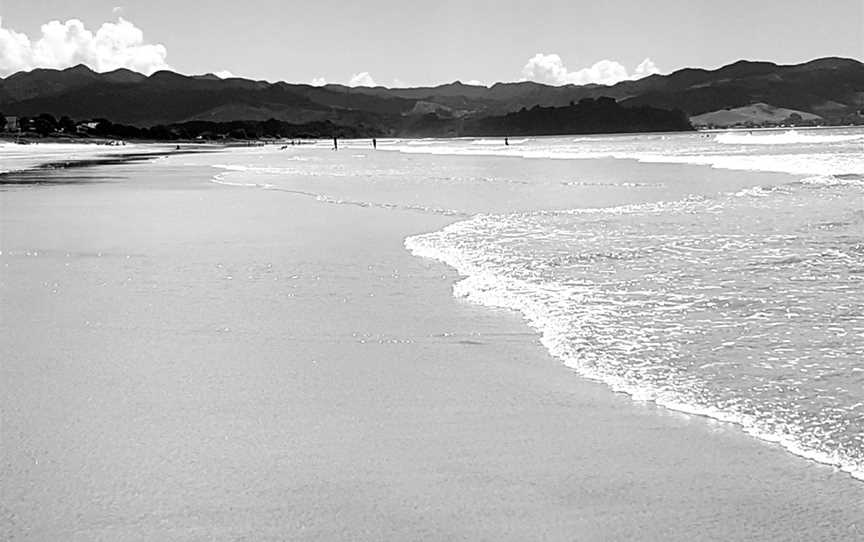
(474, 285)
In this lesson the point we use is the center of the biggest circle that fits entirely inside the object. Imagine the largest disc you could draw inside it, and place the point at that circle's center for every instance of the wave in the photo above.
(323, 198)
(851, 163)
(833, 180)
(614, 184)
(839, 163)
(579, 322)
(789, 137)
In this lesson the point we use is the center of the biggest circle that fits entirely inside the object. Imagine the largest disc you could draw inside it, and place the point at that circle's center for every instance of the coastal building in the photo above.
(12, 124)
(85, 127)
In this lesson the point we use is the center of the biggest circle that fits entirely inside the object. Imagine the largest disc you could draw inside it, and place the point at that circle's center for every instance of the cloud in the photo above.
(646, 68)
(550, 69)
(362, 79)
(224, 74)
(117, 9)
(62, 45)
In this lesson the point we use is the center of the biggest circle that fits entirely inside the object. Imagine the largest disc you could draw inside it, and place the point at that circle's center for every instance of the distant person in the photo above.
(506, 142)
(335, 144)
(374, 143)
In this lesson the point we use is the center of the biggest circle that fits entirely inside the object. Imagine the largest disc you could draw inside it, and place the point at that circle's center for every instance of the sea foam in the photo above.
(789, 137)
(604, 326)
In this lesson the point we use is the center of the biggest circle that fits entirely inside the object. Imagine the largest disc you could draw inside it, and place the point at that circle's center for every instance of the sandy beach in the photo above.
(183, 360)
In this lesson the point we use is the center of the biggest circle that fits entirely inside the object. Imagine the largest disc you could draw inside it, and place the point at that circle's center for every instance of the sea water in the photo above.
(745, 305)
(720, 273)
(739, 301)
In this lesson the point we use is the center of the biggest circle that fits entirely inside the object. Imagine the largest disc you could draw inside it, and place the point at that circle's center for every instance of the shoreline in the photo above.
(35, 173)
(216, 144)
(813, 459)
(502, 300)
(318, 385)
(637, 395)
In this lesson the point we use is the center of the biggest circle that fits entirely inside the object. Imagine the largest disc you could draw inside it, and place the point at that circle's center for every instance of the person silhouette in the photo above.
(335, 144)
(374, 143)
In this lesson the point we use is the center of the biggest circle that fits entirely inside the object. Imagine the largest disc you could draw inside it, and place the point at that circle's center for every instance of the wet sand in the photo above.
(188, 361)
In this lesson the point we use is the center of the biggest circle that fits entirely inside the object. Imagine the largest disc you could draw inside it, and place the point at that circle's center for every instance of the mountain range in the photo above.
(827, 90)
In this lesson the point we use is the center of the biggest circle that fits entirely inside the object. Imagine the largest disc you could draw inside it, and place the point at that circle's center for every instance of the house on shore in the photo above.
(12, 125)
(84, 128)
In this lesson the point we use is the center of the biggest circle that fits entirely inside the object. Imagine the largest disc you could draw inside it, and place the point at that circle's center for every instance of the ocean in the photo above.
(737, 296)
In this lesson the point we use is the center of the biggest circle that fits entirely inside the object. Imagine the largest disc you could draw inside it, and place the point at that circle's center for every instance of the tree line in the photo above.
(47, 125)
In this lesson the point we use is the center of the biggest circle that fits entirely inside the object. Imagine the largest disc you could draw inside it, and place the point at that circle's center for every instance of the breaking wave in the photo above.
(738, 307)
(789, 137)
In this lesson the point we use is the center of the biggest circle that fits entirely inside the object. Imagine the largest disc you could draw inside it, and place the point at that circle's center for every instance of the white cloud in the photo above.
(550, 69)
(475, 83)
(362, 79)
(646, 68)
(224, 74)
(117, 9)
(61, 45)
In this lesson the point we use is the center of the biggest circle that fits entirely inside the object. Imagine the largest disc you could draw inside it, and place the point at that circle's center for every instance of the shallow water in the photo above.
(748, 307)
(19, 158)
(720, 290)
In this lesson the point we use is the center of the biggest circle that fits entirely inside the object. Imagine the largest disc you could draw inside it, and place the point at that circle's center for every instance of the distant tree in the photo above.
(66, 125)
(272, 128)
(160, 132)
(45, 124)
(794, 119)
(103, 127)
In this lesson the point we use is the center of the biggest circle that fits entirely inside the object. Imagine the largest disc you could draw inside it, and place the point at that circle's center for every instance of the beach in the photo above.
(191, 354)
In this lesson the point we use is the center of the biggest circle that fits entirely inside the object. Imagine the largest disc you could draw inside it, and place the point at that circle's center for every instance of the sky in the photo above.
(407, 43)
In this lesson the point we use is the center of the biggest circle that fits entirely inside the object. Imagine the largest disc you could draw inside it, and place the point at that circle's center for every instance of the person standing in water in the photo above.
(335, 144)
(506, 142)
(374, 143)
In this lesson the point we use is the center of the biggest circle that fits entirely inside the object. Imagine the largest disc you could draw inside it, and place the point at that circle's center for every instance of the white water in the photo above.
(746, 306)
(721, 296)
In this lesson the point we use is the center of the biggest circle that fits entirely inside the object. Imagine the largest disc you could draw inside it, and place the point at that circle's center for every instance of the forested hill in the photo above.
(828, 90)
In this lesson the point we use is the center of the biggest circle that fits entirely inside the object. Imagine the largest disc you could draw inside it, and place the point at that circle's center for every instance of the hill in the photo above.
(753, 115)
(830, 88)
